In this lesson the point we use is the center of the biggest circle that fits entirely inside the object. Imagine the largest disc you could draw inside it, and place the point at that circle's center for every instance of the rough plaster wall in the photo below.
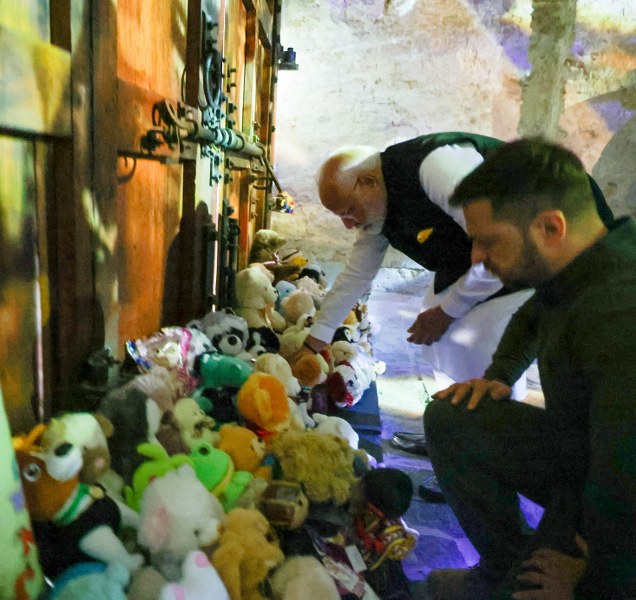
(381, 71)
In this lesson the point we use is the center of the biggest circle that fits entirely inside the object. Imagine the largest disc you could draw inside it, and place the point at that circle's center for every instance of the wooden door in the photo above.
(46, 288)
(99, 242)
(250, 50)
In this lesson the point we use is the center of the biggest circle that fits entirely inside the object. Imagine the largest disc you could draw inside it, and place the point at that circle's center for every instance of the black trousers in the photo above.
(483, 458)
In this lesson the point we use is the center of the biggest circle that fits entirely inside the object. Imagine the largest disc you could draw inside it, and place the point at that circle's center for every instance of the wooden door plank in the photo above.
(35, 79)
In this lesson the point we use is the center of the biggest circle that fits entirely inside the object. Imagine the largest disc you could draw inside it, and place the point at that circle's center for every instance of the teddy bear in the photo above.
(265, 246)
(262, 402)
(177, 515)
(193, 423)
(295, 305)
(245, 555)
(72, 522)
(246, 450)
(276, 365)
(322, 463)
(309, 286)
(255, 300)
(302, 577)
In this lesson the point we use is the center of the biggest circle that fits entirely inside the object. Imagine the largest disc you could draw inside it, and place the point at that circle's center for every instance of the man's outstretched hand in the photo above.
(474, 390)
(429, 326)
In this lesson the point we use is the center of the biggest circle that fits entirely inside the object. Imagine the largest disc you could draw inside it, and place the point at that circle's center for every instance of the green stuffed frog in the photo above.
(215, 469)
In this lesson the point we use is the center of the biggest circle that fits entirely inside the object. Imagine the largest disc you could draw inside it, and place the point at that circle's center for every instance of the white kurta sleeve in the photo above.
(351, 284)
(440, 173)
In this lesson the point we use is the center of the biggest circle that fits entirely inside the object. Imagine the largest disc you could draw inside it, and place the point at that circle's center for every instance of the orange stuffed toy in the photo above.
(262, 402)
(246, 450)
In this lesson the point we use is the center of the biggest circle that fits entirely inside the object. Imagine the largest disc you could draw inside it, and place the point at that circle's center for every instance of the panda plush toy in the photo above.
(227, 332)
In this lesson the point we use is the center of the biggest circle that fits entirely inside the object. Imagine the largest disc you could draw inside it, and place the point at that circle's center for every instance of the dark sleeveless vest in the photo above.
(410, 211)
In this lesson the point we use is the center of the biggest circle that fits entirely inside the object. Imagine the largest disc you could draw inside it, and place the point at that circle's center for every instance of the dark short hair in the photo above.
(524, 177)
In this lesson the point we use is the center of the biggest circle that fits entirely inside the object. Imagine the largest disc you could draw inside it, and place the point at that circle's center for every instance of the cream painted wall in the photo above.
(381, 71)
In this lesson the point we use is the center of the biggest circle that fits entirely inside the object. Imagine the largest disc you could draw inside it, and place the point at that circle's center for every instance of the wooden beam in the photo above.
(36, 86)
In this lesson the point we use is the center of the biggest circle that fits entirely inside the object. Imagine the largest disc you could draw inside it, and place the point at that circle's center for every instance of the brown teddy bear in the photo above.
(245, 555)
(265, 246)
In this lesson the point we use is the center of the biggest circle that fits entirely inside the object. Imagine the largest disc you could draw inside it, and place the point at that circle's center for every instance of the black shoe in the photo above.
(459, 584)
(430, 491)
(414, 443)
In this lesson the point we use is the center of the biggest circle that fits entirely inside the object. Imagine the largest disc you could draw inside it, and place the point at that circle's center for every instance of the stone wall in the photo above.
(380, 71)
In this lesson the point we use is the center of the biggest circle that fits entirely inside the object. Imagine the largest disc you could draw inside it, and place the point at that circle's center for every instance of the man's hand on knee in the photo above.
(474, 390)
(429, 326)
(554, 573)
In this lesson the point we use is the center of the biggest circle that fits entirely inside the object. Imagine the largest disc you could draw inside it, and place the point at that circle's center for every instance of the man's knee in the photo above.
(440, 415)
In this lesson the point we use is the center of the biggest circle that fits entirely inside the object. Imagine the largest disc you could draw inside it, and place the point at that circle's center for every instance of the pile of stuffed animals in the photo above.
(188, 478)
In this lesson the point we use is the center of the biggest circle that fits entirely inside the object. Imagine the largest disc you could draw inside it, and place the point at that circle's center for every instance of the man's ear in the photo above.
(550, 226)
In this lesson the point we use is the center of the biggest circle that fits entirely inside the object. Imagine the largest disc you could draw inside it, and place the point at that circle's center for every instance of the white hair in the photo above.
(348, 159)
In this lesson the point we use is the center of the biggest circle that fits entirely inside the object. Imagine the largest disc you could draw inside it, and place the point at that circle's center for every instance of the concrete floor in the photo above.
(403, 391)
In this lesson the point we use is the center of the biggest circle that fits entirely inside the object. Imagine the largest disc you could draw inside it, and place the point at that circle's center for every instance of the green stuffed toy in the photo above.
(215, 470)
(159, 464)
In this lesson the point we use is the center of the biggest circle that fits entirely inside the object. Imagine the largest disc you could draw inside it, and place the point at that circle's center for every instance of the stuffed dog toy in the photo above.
(72, 521)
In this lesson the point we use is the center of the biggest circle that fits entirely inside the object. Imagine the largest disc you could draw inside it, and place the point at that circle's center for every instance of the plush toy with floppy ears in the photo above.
(72, 522)
(89, 433)
(245, 555)
(255, 300)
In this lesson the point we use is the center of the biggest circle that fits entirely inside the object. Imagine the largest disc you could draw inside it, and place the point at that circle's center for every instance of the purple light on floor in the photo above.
(615, 115)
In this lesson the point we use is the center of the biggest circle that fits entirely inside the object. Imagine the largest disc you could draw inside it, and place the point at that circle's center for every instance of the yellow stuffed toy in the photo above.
(321, 462)
(246, 450)
(245, 555)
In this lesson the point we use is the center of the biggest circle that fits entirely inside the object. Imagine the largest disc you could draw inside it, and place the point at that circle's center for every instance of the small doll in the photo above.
(382, 496)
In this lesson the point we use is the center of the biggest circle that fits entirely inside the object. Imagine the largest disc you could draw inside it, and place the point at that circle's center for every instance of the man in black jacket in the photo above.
(533, 221)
